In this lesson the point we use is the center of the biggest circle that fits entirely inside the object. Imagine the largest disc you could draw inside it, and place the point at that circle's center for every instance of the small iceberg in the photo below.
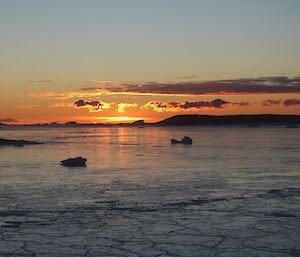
(185, 140)
(74, 162)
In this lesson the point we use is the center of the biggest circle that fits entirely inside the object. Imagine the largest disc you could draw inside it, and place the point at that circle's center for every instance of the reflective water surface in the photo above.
(234, 192)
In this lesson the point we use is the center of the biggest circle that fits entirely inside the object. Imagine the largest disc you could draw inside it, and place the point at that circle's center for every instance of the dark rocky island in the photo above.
(262, 119)
(74, 162)
(185, 141)
(17, 143)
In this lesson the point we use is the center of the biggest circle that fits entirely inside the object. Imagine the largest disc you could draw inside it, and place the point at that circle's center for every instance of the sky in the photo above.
(119, 61)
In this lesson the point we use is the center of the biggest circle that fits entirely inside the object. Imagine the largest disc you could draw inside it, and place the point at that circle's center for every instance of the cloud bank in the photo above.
(290, 102)
(287, 102)
(193, 106)
(252, 86)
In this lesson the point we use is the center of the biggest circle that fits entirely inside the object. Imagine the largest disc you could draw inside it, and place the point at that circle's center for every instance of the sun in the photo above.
(119, 119)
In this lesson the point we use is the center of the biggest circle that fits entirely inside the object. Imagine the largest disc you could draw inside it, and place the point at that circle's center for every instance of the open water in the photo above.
(234, 192)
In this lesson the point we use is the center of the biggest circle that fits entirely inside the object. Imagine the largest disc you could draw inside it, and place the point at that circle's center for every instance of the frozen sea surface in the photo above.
(235, 192)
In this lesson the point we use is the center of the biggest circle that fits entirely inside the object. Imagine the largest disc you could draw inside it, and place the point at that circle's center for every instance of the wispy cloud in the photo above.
(186, 77)
(104, 81)
(27, 106)
(241, 104)
(40, 81)
(271, 102)
(91, 88)
(63, 95)
(60, 105)
(8, 120)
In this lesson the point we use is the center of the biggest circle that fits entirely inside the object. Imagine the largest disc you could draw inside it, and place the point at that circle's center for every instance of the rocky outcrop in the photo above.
(259, 119)
(185, 140)
(74, 162)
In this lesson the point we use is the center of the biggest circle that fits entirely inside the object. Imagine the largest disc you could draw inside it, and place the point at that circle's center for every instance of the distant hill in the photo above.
(190, 120)
(187, 120)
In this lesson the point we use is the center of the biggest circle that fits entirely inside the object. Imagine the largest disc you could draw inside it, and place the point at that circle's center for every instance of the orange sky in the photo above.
(115, 102)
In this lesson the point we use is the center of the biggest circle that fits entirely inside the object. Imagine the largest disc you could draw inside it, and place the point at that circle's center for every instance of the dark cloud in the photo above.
(94, 106)
(217, 103)
(81, 103)
(264, 85)
(290, 102)
(177, 106)
(7, 120)
(271, 102)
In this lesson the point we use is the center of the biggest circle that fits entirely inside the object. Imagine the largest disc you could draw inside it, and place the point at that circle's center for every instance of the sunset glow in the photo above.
(143, 67)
